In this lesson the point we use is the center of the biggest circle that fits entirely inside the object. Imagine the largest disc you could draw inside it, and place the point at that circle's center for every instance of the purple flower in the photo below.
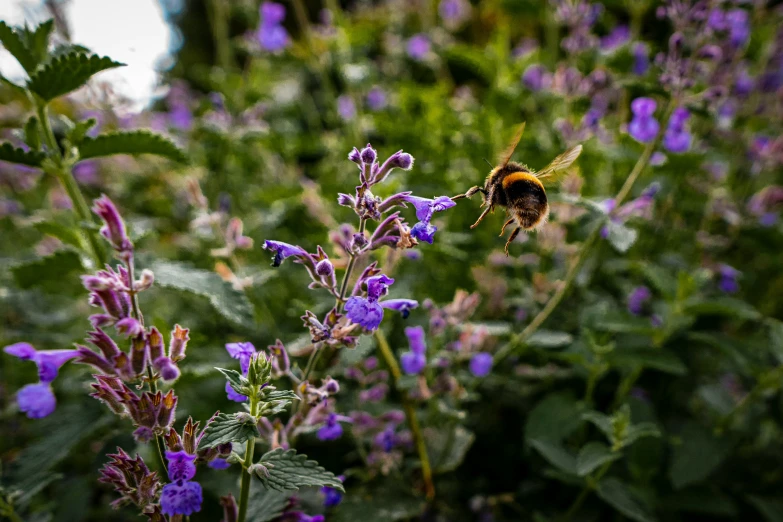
(234, 395)
(219, 463)
(378, 286)
(643, 126)
(424, 232)
(36, 400)
(536, 78)
(677, 138)
(425, 208)
(413, 363)
(181, 465)
(481, 364)
(418, 47)
(181, 498)
(415, 335)
(637, 299)
(282, 251)
(332, 497)
(332, 430)
(271, 35)
(404, 306)
(86, 172)
(301, 516)
(739, 27)
(728, 279)
(114, 227)
(364, 312)
(272, 13)
(180, 117)
(48, 361)
(617, 37)
(346, 108)
(243, 352)
(454, 12)
(376, 99)
(641, 60)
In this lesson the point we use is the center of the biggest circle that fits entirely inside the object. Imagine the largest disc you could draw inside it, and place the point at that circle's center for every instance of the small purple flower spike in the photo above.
(114, 227)
(413, 363)
(677, 138)
(481, 364)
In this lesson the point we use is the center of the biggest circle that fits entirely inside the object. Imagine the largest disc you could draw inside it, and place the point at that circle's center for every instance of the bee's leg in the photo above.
(512, 237)
(482, 216)
(507, 223)
(469, 193)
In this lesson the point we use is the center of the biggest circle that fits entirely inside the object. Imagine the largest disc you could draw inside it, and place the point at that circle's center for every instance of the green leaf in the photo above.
(620, 237)
(237, 381)
(265, 504)
(771, 509)
(62, 232)
(776, 338)
(656, 359)
(556, 455)
(381, 501)
(14, 43)
(131, 142)
(288, 470)
(725, 306)
(231, 304)
(31, 136)
(67, 73)
(229, 428)
(600, 421)
(553, 419)
(619, 496)
(699, 454)
(592, 456)
(550, 339)
(447, 447)
(638, 431)
(79, 130)
(51, 273)
(13, 154)
(280, 395)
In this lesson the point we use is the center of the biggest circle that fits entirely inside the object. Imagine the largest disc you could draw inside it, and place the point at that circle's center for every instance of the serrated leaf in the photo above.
(288, 470)
(592, 456)
(265, 504)
(230, 303)
(65, 234)
(13, 154)
(131, 142)
(549, 339)
(237, 381)
(12, 40)
(620, 237)
(556, 455)
(619, 496)
(79, 130)
(228, 428)
(37, 42)
(57, 272)
(280, 395)
(699, 454)
(553, 419)
(67, 73)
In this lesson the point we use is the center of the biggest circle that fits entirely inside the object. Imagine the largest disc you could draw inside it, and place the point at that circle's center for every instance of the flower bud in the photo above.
(139, 353)
(168, 370)
(259, 370)
(178, 343)
(359, 241)
(331, 386)
(324, 268)
(355, 156)
(167, 410)
(156, 343)
(114, 227)
(368, 155)
(258, 469)
(129, 327)
(145, 281)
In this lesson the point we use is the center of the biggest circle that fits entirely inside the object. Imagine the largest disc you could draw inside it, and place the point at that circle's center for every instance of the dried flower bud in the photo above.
(139, 355)
(155, 340)
(178, 343)
(145, 281)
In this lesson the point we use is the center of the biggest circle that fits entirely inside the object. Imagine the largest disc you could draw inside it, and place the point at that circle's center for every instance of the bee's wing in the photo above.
(559, 164)
(505, 156)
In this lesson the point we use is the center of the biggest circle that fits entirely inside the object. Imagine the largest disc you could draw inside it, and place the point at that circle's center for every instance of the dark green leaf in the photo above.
(550, 339)
(659, 359)
(447, 447)
(592, 456)
(770, 508)
(37, 42)
(280, 395)
(235, 379)
(265, 504)
(67, 73)
(600, 421)
(556, 455)
(553, 419)
(131, 142)
(228, 428)
(619, 496)
(638, 431)
(620, 237)
(49, 272)
(13, 154)
(776, 339)
(699, 454)
(62, 232)
(14, 43)
(230, 303)
(288, 470)
(726, 306)
(385, 501)
(702, 500)
(79, 130)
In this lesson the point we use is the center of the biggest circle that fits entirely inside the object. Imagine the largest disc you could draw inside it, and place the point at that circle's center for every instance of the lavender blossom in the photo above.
(368, 312)
(728, 283)
(677, 138)
(641, 58)
(481, 364)
(114, 227)
(283, 251)
(537, 78)
(182, 496)
(271, 34)
(36, 400)
(419, 47)
(617, 37)
(454, 12)
(643, 126)
(332, 430)
(637, 299)
(376, 99)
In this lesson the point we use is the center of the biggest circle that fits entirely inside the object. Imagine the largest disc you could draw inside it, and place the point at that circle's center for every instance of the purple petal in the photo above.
(404, 306)
(364, 312)
(24, 351)
(282, 251)
(181, 498)
(36, 400)
(181, 465)
(415, 335)
(50, 361)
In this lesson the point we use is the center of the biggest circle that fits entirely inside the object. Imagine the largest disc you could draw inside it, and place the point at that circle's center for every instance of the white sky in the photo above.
(128, 31)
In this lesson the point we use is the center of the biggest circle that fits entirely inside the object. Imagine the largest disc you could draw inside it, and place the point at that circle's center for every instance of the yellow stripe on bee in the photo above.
(520, 176)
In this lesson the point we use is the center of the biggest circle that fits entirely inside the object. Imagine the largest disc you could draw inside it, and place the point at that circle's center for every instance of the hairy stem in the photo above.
(68, 182)
(410, 413)
(520, 339)
(244, 493)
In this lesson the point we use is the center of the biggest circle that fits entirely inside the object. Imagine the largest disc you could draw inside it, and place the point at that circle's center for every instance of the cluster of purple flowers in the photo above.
(677, 138)
(271, 34)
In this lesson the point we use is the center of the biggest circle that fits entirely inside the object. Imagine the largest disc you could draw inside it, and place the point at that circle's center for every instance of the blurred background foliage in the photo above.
(268, 133)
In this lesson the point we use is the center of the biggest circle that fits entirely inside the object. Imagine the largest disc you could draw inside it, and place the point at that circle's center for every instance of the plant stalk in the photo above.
(589, 486)
(244, 493)
(410, 414)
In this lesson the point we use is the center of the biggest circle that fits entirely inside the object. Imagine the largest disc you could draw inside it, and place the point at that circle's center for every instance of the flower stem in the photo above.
(573, 271)
(410, 413)
(64, 175)
(244, 492)
(219, 21)
(590, 485)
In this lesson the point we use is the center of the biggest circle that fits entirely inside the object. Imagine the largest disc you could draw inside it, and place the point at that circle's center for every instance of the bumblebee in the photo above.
(519, 189)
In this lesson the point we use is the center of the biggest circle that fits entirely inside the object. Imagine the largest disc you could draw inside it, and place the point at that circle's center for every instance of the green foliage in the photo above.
(447, 447)
(592, 456)
(235, 427)
(67, 73)
(28, 47)
(62, 232)
(130, 142)
(31, 158)
(287, 470)
(265, 504)
(698, 455)
(385, 501)
(618, 495)
(230, 303)
(57, 272)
